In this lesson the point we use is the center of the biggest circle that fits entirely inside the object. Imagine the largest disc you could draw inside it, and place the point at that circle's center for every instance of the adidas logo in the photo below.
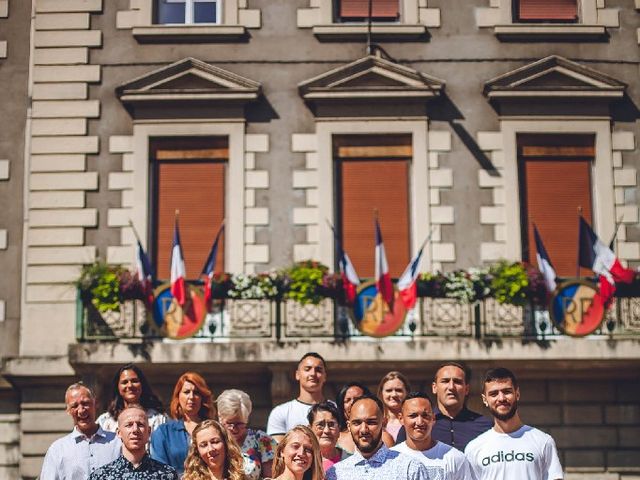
(511, 456)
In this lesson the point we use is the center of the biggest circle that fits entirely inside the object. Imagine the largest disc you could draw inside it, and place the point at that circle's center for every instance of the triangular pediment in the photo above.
(188, 81)
(554, 77)
(368, 79)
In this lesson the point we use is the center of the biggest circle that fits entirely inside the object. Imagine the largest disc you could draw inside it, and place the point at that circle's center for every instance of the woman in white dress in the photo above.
(130, 387)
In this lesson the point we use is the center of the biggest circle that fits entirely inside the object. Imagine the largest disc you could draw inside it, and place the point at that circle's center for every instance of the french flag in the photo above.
(407, 284)
(383, 279)
(350, 280)
(544, 262)
(595, 255)
(178, 273)
(144, 272)
(210, 265)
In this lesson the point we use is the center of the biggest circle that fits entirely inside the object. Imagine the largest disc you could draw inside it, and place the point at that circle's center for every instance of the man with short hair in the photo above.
(87, 448)
(134, 463)
(510, 449)
(442, 461)
(372, 460)
(455, 425)
(311, 375)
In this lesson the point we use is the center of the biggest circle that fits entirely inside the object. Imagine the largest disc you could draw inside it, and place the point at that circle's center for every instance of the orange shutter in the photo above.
(387, 9)
(556, 184)
(191, 180)
(541, 10)
(375, 184)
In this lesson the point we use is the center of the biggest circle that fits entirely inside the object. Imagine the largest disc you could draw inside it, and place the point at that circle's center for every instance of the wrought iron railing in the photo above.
(263, 320)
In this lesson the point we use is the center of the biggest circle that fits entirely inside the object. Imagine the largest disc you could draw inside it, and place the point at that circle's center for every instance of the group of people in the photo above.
(395, 433)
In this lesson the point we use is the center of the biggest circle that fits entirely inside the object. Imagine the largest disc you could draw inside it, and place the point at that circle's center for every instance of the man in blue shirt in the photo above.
(455, 425)
(372, 459)
(87, 448)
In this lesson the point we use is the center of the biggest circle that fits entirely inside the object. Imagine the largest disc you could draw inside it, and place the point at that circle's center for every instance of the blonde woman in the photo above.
(298, 456)
(234, 410)
(213, 455)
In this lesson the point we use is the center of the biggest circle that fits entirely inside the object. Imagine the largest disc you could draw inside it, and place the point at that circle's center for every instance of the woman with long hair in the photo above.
(130, 387)
(213, 455)
(298, 456)
(323, 419)
(392, 390)
(234, 409)
(191, 403)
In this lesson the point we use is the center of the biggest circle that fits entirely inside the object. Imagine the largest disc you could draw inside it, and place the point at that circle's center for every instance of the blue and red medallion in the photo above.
(176, 321)
(576, 308)
(371, 314)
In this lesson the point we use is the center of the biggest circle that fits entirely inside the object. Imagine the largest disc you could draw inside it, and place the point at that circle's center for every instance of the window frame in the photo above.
(189, 12)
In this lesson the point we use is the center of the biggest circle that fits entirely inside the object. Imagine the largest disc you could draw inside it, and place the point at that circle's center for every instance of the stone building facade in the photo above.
(96, 91)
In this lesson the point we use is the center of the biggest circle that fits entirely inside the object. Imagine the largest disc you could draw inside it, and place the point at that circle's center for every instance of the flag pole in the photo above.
(135, 232)
(612, 243)
(578, 259)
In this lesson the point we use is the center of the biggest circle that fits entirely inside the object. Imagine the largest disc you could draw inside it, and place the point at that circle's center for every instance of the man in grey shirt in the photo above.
(76, 455)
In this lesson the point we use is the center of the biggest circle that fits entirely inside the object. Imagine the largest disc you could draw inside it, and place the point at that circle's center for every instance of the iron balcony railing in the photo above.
(279, 321)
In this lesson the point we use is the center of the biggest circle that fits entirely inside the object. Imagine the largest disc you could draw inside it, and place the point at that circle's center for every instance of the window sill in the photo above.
(556, 31)
(350, 31)
(190, 33)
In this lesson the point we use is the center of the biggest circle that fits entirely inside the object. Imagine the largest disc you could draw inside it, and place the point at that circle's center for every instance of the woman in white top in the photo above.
(130, 387)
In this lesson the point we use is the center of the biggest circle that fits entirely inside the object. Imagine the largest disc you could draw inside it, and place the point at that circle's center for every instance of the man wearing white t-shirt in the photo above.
(311, 375)
(443, 462)
(510, 450)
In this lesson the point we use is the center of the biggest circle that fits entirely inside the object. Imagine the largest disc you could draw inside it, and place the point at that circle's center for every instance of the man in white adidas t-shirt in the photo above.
(510, 450)
(443, 461)
(311, 375)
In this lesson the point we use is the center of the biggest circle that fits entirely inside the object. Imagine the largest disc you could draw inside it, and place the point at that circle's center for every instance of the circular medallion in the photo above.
(576, 307)
(176, 321)
(371, 314)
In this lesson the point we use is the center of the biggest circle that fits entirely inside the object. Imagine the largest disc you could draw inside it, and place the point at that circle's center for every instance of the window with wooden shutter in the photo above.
(547, 10)
(555, 179)
(372, 173)
(188, 176)
(358, 10)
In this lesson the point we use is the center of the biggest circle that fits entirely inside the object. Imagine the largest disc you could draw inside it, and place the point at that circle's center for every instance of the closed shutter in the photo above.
(550, 10)
(190, 178)
(373, 176)
(358, 9)
(557, 183)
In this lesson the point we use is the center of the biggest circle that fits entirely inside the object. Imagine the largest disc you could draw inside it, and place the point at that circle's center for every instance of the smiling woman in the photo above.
(298, 456)
(130, 387)
(392, 390)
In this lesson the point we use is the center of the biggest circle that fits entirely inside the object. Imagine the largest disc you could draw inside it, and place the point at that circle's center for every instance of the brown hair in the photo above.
(196, 469)
(392, 376)
(315, 471)
(207, 410)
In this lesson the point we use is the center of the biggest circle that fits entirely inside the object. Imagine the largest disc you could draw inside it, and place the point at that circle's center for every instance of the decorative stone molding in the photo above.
(4, 169)
(4, 13)
(416, 18)
(592, 24)
(236, 19)
(625, 182)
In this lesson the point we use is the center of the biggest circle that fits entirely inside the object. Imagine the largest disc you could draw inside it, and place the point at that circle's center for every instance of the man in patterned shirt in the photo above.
(134, 463)
(372, 459)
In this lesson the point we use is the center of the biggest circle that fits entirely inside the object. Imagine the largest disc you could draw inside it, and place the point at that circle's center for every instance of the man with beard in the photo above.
(455, 424)
(134, 463)
(510, 450)
(373, 460)
(87, 447)
(311, 375)
(442, 460)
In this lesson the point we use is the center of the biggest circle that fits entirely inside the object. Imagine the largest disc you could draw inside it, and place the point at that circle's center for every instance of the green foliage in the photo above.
(510, 283)
(100, 283)
(305, 278)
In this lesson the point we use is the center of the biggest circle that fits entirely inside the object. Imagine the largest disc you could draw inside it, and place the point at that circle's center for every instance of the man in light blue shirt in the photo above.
(76, 455)
(372, 459)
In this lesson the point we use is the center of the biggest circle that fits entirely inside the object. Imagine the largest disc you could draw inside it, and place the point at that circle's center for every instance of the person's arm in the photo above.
(267, 447)
(50, 465)
(554, 468)
(387, 439)
(277, 423)
(266, 468)
(158, 445)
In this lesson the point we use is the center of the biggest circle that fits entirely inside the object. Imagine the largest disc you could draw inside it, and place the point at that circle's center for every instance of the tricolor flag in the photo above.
(544, 262)
(407, 285)
(350, 279)
(144, 272)
(210, 265)
(383, 279)
(598, 257)
(178, 274)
